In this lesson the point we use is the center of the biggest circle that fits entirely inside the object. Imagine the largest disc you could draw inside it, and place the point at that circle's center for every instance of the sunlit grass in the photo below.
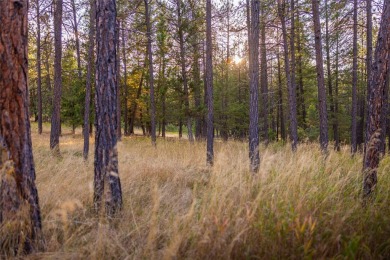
(299, 205)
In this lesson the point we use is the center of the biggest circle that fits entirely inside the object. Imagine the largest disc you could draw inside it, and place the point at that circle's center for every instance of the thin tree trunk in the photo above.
(336, 102)
(198, 123)
(272, 97)
(205, 115)
(184, 72)
(142, 123)
(224, 125)
(254, 154)
(19, 206)
(197, 90)
(118, 81)
(329, 80)
(293, 79)
(106, 153)
(378, 80)
(124, 58)
(180, 128)
(362, 101)
(280, 100)
(368, 59)
(264, 77)
(163, 96)
(151, 76)
(301, 99)
(47, 65)
(39, 71)
(320, 78)
(354, 82)
(55, 119)
(76, 33)
(88, 87)
(135, 104)
(209, 84)
(292, 96)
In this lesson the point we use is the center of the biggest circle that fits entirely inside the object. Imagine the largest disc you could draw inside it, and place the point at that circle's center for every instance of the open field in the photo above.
(299, 205)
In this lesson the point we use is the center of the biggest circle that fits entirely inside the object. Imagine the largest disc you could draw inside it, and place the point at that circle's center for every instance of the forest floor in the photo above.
(298, 206)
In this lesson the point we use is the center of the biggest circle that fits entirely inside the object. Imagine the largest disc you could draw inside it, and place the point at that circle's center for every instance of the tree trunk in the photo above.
(301, 91)
(205, 115)
(184, 72)
(55, 119)
(106, 153)
(292, 96)
(180, 128)
(197, 90)
(125, 113)
(320, 78)
(293, 107)
(151, 76)
(135, 104)
(47, 64)
(280, 100)
(384, 123)
(264, 78)
(336, 102)
(39, 72)
(20, 218)
(118, 81)
(163, 99)
(368, 58)
(224, 95)
(76, 33)
(329, 80)
(380, 70)
(209, 84)
(254, 154)
(385, 106)
(354, 82)
(88, 87)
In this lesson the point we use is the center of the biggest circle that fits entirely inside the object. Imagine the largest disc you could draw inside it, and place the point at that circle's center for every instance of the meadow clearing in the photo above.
(298, 206)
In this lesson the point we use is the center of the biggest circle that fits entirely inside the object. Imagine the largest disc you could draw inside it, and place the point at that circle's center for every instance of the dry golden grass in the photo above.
(298, 206)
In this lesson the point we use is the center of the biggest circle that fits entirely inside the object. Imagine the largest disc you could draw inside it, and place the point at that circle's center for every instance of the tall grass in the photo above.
(299, 205)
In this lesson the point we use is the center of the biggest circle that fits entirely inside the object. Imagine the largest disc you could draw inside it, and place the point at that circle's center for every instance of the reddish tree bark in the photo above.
(378, 80)
(20, 220)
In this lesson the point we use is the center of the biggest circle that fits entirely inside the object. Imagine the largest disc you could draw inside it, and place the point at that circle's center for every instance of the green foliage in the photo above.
(73, 94)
